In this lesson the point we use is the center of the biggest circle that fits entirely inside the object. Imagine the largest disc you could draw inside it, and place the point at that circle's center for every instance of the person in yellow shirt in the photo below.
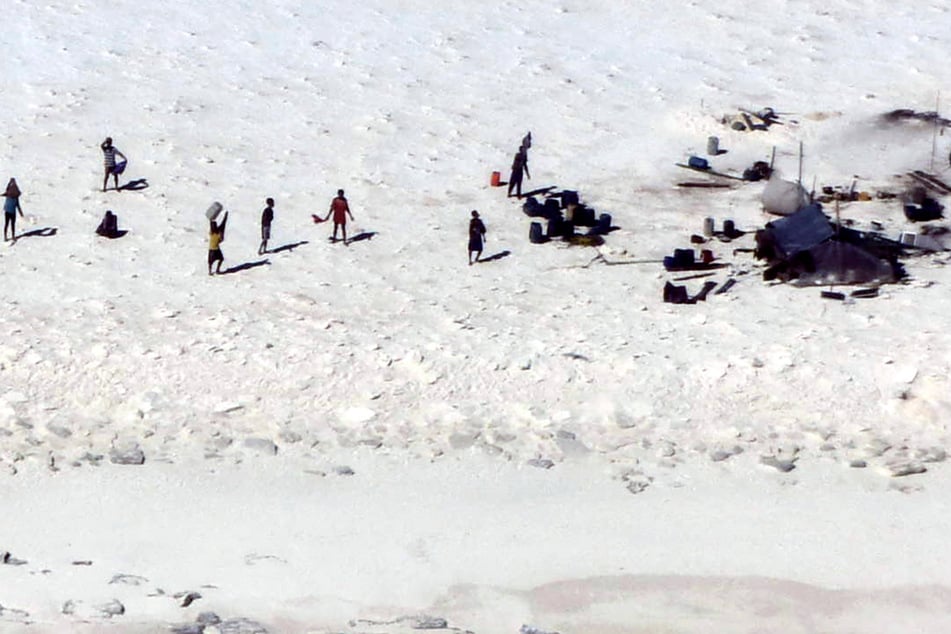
(216, 236)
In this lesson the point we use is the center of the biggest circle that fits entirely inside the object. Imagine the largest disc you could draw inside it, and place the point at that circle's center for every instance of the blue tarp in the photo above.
(800, 231)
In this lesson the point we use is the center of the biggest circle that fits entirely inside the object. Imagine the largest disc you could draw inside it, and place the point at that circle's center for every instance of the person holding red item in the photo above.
(340, 209)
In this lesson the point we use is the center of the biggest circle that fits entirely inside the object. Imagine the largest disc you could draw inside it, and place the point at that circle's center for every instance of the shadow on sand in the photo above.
(536, 192)
(365, 235)
(136, 185)
(45, 232)
(495, 256)
(245, 266)
(287, 247)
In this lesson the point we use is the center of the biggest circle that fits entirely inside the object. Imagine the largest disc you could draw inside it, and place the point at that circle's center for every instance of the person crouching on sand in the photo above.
(216, 236)
(340, 209)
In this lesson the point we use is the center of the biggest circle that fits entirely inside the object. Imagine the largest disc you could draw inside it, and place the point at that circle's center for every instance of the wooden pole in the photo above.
(800, 163)
(934, 136)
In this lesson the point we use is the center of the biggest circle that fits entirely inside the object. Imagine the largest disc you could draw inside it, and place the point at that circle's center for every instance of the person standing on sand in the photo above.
(267, 216)
(11, 205)
(519, 167)
(476, 236)
(216, 236)
(340, 209)
(109, 153)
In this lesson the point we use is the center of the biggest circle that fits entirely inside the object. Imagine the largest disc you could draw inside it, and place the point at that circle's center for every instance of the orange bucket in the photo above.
(496, 179)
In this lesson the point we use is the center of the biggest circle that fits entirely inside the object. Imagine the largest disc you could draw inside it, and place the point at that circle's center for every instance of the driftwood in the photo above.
(931, 181)
(704, 185)
(904, 114)
(710, 172)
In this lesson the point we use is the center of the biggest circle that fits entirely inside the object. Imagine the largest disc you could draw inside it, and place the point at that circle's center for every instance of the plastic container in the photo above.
(214, 210)
(713, 146)
(709, 226)
(496, 179)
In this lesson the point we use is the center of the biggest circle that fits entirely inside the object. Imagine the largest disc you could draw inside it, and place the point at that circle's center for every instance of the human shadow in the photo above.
(365, 235)
(537, 192)
(135, 185)
(45, 232)
(287, 247)
(495, 256)
(245, 266)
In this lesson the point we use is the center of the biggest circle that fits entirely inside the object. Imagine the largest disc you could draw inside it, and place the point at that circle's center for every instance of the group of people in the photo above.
(339, 209)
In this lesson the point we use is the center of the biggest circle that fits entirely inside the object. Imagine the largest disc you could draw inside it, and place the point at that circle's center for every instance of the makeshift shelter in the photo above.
(783, 198)
(806, 249)
(797, 232)
(834, 262)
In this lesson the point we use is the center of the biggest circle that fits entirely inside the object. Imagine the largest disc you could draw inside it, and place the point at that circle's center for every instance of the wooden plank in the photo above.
(931, 181)
(710, 172)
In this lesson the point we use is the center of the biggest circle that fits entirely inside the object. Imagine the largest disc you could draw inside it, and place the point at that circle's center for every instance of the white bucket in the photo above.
(214, 210)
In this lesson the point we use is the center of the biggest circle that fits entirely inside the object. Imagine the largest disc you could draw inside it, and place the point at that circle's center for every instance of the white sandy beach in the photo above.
(337, 437)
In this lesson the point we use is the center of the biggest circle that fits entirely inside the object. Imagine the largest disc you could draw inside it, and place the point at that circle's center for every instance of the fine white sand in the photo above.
(535, 440)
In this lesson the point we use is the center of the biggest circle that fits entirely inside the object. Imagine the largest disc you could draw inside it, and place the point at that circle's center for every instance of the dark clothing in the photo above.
(519, 168)
(215, 255)
(109, 227)
(476, 233)
(267, 216)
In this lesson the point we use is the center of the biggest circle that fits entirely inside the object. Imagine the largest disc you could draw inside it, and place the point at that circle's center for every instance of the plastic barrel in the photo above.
(713, 146)
(214, 210)
(729, 229)
(535, 233)
(708, 227)
(496, 179)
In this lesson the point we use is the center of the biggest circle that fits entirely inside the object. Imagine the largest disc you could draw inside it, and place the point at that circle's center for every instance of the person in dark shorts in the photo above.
(267, 216)
(11, 205)
(340, 209)
(216, 235)
(109, 153)
(519, 169)
(476, 237)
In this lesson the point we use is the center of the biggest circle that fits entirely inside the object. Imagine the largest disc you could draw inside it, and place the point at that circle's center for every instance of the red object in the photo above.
(706, 256)
(317, 219)
(496, 179)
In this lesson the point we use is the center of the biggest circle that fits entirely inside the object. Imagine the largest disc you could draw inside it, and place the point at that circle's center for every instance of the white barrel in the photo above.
(214, 210)
(708, 227)
(713, 146)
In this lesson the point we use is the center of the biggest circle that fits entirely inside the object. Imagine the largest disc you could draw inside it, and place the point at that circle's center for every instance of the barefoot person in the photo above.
(267, 216)
(11, 205)
(476, 237)
(340, 209)
(109, 153)
(216, 235)
(519, 169)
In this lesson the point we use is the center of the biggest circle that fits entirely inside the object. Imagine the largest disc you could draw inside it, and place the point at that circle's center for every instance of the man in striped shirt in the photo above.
(109, 162)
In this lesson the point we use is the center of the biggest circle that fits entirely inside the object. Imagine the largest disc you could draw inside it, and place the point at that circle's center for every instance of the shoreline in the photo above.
(267, 541)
